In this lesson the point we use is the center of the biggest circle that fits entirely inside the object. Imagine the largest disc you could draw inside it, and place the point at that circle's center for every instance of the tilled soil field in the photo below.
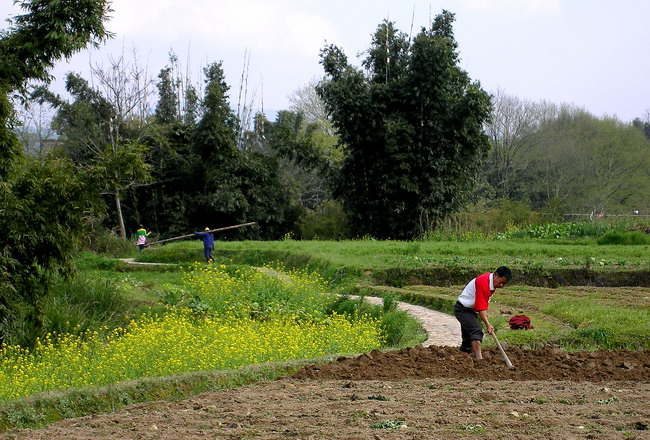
(417, 393)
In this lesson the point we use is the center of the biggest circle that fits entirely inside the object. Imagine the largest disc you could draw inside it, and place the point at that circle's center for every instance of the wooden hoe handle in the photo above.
(503, 353)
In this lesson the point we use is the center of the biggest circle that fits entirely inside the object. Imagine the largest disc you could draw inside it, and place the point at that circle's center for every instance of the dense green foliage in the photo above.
(625, 238)
(42, 204)
(559, 160)
(410, 139)
(202, 177)
(412, 129)
(42, 223)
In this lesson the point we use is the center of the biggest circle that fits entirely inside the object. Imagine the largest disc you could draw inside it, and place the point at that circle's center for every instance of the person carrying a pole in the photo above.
(208, 244)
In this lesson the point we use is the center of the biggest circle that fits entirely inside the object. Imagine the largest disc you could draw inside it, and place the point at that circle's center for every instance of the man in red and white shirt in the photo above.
(473, 303)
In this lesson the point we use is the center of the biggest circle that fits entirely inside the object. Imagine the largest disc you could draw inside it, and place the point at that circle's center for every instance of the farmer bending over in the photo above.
(473, 303)
(208, 244)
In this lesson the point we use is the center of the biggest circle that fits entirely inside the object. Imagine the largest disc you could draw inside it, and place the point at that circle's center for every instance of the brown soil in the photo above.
(436, 362)
(416, 393)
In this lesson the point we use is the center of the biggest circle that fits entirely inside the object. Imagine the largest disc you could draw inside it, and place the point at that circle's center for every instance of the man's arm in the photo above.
(484, 317)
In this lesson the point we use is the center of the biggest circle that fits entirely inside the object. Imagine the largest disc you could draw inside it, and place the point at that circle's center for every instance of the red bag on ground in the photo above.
(520, 322)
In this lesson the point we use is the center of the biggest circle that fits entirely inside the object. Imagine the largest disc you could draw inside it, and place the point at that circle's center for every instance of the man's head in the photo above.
(206, 229)
(501, 276)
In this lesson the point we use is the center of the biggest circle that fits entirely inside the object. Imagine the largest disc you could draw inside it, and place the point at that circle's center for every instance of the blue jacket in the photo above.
(208, 239)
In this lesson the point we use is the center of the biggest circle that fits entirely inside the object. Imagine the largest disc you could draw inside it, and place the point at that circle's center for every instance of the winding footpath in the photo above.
(443, 329)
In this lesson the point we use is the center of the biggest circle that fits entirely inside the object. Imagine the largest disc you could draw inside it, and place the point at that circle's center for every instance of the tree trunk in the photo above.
(120, 218)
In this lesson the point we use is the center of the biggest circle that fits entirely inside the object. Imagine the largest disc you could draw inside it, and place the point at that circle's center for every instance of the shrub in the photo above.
(484, 219)
(399, 328)
(327, 222)
(624, 238)
(82, 304)
(74, 306)
(108, 242)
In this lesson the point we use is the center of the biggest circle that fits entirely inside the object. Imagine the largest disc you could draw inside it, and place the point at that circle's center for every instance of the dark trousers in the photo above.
(470, 328)
(207, 252)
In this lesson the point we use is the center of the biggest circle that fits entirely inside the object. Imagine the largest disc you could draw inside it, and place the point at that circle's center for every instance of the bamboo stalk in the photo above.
(192, 235)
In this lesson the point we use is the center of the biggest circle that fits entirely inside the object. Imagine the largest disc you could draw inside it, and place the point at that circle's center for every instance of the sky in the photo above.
(589, 53)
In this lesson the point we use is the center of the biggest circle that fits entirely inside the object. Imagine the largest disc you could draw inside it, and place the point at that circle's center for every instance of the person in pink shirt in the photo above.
(473, 304)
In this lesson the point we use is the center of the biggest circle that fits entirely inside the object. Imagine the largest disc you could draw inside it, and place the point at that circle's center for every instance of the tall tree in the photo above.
(306, 161)
(590, 164)
(412, 129)
(177, 97)
(643, 124)
(106, 124)
(215, 143)
(305, 100)
(41, 204)
(512, 131)
(35, 128)
(233, 185)
(167, 110)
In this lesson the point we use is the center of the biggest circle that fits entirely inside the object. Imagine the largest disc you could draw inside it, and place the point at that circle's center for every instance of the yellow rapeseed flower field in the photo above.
(253, 292)
(293, 326)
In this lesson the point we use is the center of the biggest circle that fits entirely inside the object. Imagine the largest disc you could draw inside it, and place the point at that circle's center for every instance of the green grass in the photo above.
(360, 255)
(602, 325)
(572, 318)
(350, 266)
(362, 259)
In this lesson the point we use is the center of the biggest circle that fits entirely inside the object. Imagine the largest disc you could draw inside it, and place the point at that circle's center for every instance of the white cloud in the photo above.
(256, 24)
(514, 8)
(550, 49)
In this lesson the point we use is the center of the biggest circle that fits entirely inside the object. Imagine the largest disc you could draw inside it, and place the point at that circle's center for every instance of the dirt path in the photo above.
(139, 263)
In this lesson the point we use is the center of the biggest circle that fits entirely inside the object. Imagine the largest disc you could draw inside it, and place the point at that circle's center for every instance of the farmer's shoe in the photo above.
(476, 349)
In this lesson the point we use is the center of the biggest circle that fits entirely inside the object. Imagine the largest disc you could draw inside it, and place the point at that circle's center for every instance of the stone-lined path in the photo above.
(443, 329)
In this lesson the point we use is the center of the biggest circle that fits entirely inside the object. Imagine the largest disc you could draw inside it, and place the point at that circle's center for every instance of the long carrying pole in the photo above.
(503, 352)
(191, 235)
